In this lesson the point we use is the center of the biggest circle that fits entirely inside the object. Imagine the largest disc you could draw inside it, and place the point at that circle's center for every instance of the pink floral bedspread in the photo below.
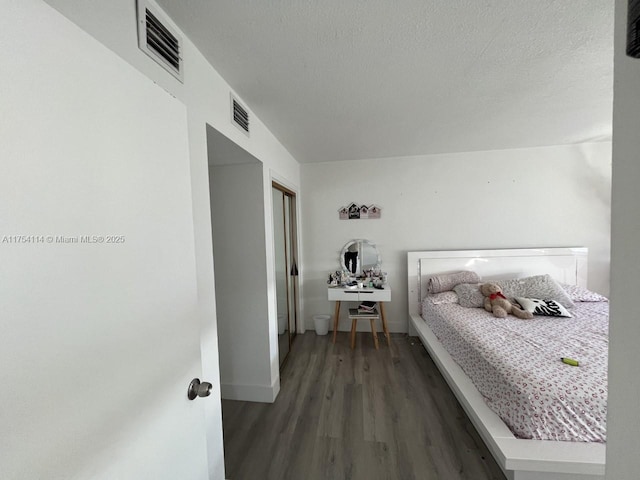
(516, 366)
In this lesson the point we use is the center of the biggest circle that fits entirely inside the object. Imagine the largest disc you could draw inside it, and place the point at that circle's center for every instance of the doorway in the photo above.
(286, 255)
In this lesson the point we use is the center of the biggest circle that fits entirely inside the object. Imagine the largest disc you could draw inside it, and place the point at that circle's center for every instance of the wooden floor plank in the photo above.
(354, 415)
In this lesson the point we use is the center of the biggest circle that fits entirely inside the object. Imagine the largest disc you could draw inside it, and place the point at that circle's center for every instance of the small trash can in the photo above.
(322, 324)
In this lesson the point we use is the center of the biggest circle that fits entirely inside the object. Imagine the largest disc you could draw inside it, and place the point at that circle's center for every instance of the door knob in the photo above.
(198, 389)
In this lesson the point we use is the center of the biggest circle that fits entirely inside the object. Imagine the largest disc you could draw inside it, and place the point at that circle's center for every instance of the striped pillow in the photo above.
(549, 308)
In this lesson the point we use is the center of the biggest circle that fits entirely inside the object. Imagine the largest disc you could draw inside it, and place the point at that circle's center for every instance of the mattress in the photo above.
(516, 365)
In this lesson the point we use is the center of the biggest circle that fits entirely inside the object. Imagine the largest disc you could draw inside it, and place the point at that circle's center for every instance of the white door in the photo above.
(99, 334)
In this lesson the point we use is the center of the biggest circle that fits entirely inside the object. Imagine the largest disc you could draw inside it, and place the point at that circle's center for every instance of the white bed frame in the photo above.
(519, 459)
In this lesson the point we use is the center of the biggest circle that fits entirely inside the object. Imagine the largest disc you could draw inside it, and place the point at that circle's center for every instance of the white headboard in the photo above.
(566, 265)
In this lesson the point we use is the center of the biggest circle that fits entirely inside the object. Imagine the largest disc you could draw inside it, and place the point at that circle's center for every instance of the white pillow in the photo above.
(538, 286)
(446, 281)
(469, 295)
(441, 298)
(581, 294)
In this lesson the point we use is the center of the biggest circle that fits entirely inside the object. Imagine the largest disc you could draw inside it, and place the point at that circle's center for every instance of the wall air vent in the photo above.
(158, 40)
(239, 115)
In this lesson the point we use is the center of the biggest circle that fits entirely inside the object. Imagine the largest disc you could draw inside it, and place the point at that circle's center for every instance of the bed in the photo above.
(520, 458)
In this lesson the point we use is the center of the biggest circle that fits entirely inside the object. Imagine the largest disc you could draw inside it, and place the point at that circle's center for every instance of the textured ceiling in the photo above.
(353, 79)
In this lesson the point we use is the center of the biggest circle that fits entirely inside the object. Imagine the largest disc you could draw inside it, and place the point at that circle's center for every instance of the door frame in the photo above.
(293, 236)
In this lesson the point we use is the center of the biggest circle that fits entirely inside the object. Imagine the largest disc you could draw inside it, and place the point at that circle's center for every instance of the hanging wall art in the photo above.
(359, 212)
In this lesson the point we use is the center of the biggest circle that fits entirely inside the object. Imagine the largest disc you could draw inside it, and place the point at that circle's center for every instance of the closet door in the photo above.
(285, 243)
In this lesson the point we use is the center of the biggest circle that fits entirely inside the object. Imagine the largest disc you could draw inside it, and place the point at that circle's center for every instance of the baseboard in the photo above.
(250, 393)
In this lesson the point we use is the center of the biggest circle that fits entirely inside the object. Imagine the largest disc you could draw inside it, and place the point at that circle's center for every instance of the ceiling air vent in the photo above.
(158, 40)
(239, 115)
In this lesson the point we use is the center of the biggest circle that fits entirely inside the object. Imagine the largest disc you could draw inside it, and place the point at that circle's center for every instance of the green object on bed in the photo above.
(570, 361)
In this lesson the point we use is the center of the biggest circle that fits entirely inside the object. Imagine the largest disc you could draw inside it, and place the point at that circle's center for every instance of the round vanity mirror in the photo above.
(359, 255)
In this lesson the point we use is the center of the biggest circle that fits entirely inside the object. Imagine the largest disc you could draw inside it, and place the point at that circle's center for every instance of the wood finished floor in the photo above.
(358, 414)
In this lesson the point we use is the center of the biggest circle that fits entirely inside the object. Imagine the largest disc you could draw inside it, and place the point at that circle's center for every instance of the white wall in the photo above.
(551, 196)
(623, 420)
(237, 214)
(206, 95)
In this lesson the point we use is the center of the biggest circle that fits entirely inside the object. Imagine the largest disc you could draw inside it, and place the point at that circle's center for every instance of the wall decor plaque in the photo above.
(353, 211)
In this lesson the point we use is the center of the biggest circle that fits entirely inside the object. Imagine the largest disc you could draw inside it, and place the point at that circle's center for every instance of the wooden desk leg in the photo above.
(384, 322)
(335, 320)
(354, 322)
(373, 332)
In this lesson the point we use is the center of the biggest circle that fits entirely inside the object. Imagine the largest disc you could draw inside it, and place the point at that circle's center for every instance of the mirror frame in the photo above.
(359, 242)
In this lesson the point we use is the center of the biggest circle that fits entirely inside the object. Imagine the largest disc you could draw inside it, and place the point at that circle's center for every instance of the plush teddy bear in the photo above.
(496, 303)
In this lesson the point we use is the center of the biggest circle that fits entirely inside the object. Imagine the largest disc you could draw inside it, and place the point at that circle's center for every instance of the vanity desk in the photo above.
(342, 294)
